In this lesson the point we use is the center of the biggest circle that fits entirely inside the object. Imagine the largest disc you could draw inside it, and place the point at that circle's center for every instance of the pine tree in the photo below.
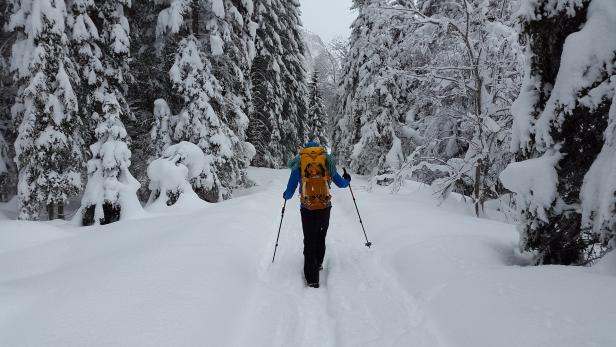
(111, 187)
(232, 49)
(48, 145)
(161, 132)
(373, 101)
(316, 123)
(151, 59)
(197, 122)
(102, 53)
(215, 45)
(4, 168)
(279, 84)
(170, 175)
(264, 131)
(563, 132)
(7, 87)
(294, 73)
(7, 94)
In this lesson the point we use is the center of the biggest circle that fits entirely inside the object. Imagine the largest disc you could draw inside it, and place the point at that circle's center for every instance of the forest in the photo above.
(111, 105)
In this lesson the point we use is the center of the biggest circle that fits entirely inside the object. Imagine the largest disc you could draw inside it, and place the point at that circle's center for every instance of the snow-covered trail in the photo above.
(360, 303)
(436, 276)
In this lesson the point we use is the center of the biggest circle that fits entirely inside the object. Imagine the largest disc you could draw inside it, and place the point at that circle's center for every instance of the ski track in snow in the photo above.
(359, 303)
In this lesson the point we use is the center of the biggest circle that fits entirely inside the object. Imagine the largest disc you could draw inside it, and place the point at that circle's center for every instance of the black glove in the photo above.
(346, 175)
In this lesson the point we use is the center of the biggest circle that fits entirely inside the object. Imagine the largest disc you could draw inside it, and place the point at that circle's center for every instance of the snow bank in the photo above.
(8, 210)
(607, 265)
(19, 235)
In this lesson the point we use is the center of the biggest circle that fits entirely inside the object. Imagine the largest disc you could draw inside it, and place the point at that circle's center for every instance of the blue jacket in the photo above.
(296, 176)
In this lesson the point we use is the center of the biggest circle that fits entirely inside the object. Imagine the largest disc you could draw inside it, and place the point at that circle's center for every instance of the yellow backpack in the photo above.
(314, 189)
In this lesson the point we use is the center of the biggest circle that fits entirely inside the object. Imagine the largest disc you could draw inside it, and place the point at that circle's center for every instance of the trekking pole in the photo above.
(279, 227)
(368, 243)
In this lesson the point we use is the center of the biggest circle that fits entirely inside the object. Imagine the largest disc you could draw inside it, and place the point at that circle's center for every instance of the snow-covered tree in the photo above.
(326, 59)
(162, 130)
(448, 77)
(48, 145)
(279, 84)
(465, 63)
(563, 131)
(7, 93)
(316, 122)
(102, 55)
(171, 174)
(231, 66)
(197, 122)
(111, 188)
(294, 74)
(215, 45)
(86, 53)
(4, 168)
(151, 59)
(7, 85)
(374, 101)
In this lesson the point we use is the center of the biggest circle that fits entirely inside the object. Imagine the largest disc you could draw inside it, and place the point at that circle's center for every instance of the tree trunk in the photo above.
(195, 18)
(60, 214)
(51, 211)
(477, 194)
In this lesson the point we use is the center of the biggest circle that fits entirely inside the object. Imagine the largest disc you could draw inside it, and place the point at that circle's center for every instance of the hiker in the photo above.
(313, 168)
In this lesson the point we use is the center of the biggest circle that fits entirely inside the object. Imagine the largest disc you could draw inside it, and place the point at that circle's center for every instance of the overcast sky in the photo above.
(327, 18)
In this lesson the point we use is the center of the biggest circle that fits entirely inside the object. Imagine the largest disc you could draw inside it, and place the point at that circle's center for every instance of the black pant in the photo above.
(315, 224)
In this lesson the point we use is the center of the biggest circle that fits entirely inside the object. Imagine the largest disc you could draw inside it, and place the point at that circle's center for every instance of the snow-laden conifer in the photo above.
(161, 132)
(102, 53)
(232, 50)
(86, 53)
(316, 122)
(279, 84)
(217, 47)
(4, 167)
(374, 100)
(293, 73)
(198, 122)
(171, 174)
(7, 83)
(48, 145)
(564, 122)
(111, 187)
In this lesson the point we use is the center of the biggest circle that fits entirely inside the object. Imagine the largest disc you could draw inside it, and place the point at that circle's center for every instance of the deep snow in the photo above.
(436, 276)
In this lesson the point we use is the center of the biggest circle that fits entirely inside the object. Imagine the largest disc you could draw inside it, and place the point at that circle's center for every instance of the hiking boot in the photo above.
(313, 285)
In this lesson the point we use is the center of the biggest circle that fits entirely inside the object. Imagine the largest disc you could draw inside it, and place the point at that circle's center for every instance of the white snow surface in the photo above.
(436, 276)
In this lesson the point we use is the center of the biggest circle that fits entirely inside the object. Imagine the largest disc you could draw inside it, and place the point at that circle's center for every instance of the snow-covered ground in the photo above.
(436, 276)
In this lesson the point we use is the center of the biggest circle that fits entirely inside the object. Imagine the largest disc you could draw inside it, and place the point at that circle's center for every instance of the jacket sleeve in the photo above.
(339, 181)
(294, 179)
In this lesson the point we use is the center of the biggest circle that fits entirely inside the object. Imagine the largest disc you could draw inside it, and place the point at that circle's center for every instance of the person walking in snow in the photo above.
(314, 169)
